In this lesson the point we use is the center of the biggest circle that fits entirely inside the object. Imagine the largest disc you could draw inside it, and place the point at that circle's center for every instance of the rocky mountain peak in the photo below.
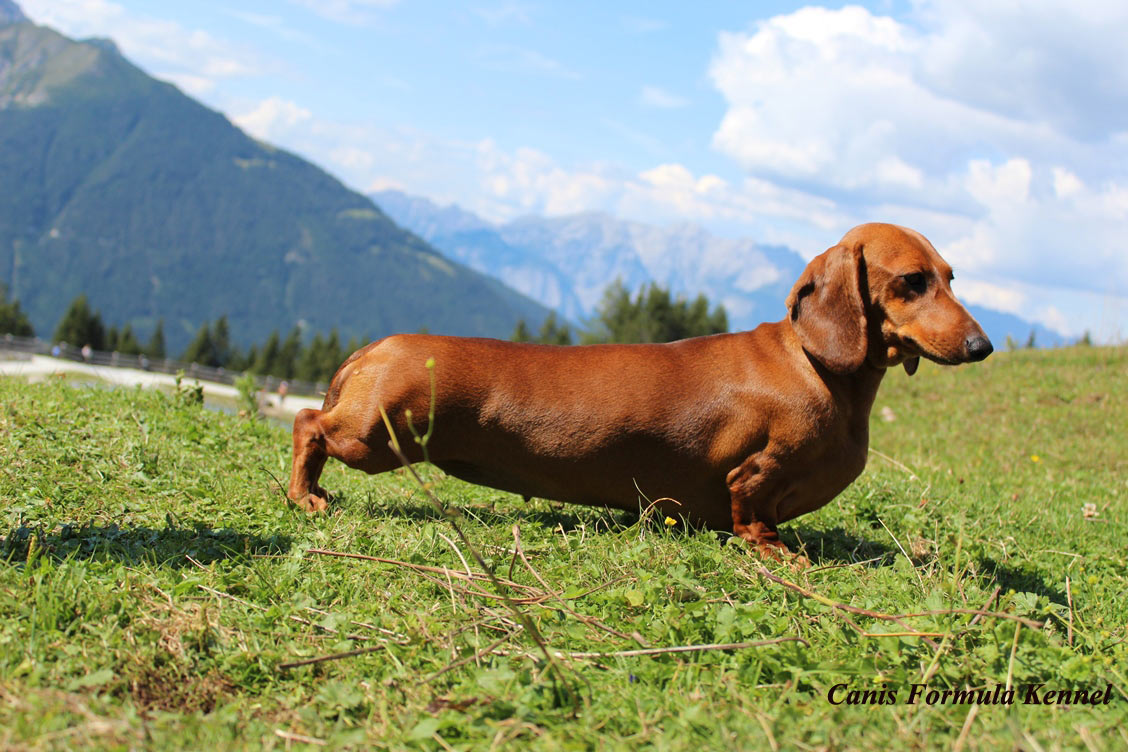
(10, 13)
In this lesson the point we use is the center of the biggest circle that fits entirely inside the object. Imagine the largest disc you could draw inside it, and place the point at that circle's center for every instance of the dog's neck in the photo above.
(856, 390)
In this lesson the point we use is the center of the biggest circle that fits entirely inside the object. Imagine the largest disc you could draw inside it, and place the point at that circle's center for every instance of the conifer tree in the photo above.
(156, 346)
(201, 349)
(552, 333)
(653, 316)
(521, 332)
(12, 319)
(81, 326)
(287, 360)
(332, 357)
(266, 362)
(127, 343)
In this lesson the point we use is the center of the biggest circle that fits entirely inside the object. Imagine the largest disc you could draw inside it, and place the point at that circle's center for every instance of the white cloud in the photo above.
(1066, 184)
(273, 118)
(191, 58)
(1009, 183)
(995, 128)
(654, 96)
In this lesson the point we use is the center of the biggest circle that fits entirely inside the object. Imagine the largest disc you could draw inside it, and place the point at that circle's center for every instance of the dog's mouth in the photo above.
(920, 349)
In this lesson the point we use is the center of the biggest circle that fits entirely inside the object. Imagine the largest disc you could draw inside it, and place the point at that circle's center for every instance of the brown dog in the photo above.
(737, 431)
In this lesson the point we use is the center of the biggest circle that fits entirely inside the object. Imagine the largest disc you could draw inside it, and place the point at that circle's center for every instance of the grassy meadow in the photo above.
(157, 591)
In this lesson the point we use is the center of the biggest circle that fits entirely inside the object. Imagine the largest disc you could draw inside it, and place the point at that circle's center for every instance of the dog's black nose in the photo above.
(978, 348)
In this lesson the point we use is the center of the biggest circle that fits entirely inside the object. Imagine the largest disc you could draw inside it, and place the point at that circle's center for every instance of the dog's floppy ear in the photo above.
(827, 312)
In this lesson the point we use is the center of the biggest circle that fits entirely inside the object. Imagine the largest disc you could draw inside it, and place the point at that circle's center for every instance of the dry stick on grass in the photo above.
(842, 566)
(841, 609)
(966, 728)
(895, 462)
(895, 617)
(469, 573)
(364, 624)
(935, 663)
(292, 737)
(680, 649)
(522, 617)
(400, 639)
(1069, 600)
(553, 594)
(446, 571)
(985, 606)
(904, 553)
(476, 577)
(1014, 651)
(331, 657)
(470, 658)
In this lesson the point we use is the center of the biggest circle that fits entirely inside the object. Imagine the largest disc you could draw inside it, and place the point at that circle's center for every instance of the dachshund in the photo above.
(736, 432)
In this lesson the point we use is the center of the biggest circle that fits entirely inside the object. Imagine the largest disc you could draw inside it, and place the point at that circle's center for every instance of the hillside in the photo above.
(566, 262)
(157, 591)
(120, 186)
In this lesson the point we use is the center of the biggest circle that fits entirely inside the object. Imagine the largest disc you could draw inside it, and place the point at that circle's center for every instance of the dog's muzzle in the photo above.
(978, 348)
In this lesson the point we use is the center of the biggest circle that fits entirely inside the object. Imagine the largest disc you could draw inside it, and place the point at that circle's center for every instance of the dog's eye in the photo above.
(915, 281)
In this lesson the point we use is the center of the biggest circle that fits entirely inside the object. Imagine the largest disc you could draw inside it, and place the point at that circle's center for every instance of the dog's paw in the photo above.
(798, 562)
(314, 503)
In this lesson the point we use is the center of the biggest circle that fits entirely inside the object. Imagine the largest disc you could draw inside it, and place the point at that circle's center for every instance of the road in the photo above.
(41, 367)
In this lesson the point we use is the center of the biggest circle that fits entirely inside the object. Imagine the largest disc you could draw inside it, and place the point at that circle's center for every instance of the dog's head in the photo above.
(882, 295)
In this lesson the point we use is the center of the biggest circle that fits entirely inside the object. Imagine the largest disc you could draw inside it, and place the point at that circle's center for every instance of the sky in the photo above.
(997, 129)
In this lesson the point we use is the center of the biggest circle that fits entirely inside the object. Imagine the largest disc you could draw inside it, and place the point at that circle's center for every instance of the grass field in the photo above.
(155, 585)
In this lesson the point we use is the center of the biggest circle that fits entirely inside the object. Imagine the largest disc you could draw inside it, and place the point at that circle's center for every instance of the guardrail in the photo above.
(62, 350)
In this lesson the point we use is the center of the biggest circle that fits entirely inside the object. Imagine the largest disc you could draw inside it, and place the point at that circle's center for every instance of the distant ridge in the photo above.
(121, 187)
(10, 13)
(566, 262)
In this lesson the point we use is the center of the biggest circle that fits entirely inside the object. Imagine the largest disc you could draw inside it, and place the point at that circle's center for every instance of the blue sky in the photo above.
(999, 131)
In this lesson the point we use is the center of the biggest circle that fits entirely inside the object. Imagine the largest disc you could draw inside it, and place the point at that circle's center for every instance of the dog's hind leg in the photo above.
(309, 459)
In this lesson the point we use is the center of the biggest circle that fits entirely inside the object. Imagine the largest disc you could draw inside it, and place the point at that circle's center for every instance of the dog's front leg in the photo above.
(754, 487)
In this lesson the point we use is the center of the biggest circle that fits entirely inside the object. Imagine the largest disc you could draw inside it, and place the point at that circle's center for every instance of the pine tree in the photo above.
(156, 347)
(221, 342)
(309, 364)
(287, 360)
(247, 362)
(332, 357)
(12, 319)
(127, 343)
(202, 348)
(552, 333)
(521, 332)
(81, 326)
(266, 362)
(653, 316)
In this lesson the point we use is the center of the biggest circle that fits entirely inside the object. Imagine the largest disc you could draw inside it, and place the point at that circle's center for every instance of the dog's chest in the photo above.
(821, 466)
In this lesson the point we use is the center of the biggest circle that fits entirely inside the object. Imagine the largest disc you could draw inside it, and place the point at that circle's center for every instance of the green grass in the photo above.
(126, 512)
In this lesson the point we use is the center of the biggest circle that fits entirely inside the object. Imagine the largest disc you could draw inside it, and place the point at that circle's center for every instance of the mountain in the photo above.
(567, 262)
(10, 13)
(121, 187)
(999, 326)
